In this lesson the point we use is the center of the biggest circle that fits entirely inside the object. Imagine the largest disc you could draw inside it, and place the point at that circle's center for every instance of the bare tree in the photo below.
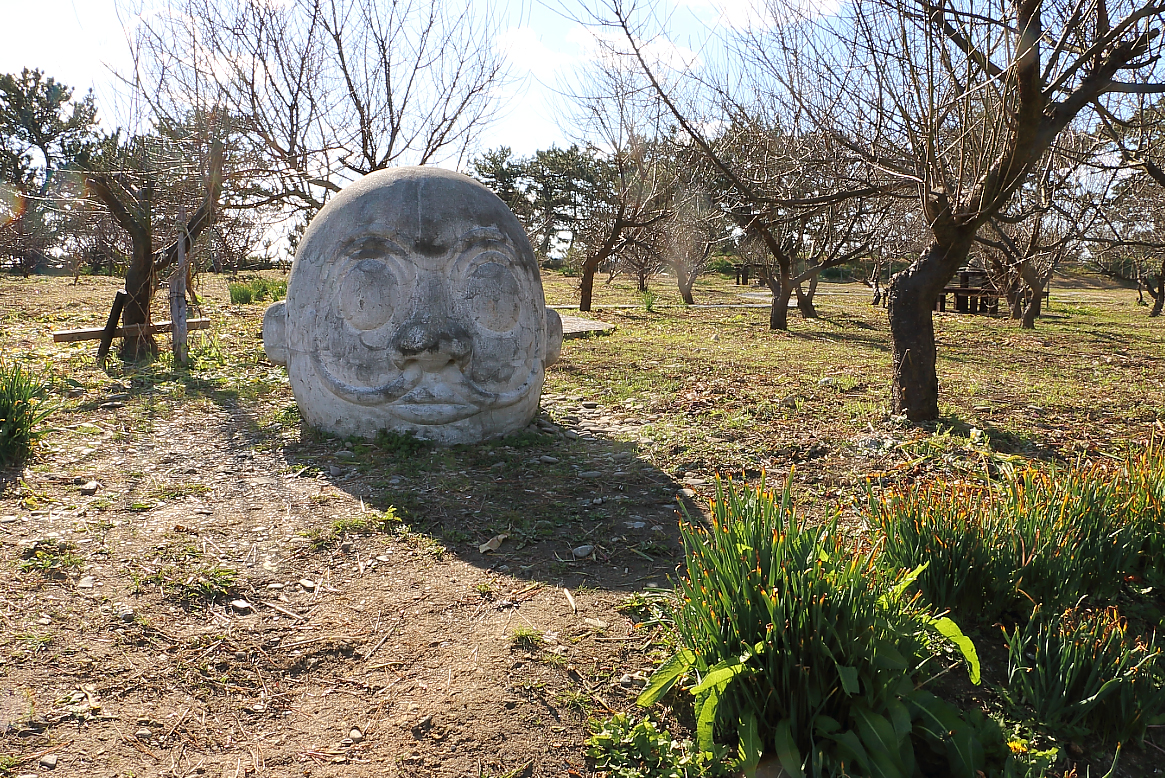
(1130, 243)
(1049, 219)
(621, 121)
(140, 181)
(963, 100)
(326, 90)
(696, 228)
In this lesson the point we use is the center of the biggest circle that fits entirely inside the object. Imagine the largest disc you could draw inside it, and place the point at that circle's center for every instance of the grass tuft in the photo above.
(1082, 672)
(257, 289)
(23, 407)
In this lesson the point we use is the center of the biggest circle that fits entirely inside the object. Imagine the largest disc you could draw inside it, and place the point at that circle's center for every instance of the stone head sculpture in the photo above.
(415, 304)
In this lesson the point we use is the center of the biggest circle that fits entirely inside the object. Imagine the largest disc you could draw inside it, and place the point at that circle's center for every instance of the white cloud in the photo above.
(610, 45)
(525, 50)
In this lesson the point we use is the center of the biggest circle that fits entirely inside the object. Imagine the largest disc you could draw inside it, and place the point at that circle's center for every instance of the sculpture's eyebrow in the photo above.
(480, 235)
(374, 244)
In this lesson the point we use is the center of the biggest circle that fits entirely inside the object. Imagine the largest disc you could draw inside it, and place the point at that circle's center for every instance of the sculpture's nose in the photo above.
(432, 344)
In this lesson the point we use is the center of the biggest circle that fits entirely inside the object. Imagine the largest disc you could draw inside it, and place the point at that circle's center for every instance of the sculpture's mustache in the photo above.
(469, 391)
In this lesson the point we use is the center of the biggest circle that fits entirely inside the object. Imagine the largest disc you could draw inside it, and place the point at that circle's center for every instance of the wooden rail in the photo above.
(93, 333)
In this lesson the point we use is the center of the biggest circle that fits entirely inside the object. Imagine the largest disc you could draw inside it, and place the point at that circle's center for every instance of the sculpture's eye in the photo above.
(494, 296)
(368, 294)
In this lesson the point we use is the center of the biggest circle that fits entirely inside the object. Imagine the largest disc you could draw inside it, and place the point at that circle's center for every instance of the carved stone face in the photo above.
(415, 304)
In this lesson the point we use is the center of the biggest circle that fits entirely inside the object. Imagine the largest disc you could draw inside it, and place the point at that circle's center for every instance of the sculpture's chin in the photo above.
(429, 414)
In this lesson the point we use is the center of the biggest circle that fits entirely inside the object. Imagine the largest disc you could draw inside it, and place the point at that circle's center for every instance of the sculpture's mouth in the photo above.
(433, 402)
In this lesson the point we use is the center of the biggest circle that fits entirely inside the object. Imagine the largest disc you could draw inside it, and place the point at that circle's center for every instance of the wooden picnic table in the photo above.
(971, 299)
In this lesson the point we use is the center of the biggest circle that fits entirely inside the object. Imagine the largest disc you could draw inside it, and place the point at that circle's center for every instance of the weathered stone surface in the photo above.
(415, 304)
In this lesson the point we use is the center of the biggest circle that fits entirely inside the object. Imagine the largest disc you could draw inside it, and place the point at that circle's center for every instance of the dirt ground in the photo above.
(221, 592)
(346, 645)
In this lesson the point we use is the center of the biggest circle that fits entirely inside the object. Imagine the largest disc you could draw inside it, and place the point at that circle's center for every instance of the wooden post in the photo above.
(178, 298)
(111, 326)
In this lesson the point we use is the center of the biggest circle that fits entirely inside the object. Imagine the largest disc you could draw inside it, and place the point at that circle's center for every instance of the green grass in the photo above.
(1045, 536)
(190, 581)
(23, 408)
(1084, 672)
(51, 557)
(257, 289)
(796, 645)
(526, 638)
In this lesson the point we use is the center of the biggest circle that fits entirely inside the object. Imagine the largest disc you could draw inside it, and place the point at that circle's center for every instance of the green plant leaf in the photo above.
(850, 746)
(706, 722)
(882, 743)
(751, 746)
(663, 679)
(786, 748)
(901, 587)
(950, 630)
(720, 675)
(849, 679)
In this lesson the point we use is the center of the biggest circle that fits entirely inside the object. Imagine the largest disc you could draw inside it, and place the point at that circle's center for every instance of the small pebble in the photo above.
(88, 582)
(355, 735)
(571, 435)
(123, 611)
(275, 586)
(49, 761)
(44, 621)
(583, 551)
(589, 474)
(335, 470)
(346, 454)
(143, 734)
(548, 460)
(383, 558)
(307, 583)
(89, 488)
(242, 606)
(590, 404)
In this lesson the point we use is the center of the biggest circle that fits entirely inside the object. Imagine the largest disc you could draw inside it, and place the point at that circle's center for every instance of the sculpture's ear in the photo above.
(553, 337)
(275, 333)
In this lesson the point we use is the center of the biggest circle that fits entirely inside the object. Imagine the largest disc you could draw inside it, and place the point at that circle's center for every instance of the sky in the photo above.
(82, 43)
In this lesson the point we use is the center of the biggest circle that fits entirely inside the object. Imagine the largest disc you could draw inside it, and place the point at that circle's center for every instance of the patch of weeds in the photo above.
(33, 642)
(526, 638)
(420, 542)
(178, 491)
(649, 608)
(190, 586)
(648, 298)
(9, 762)
(401, 445)
(23, 408)
(51, 557)
(288, 416)
(629, 749)
(486, 590)
(368, 523)
(553, 659)
(573, 699)
(524, 439)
